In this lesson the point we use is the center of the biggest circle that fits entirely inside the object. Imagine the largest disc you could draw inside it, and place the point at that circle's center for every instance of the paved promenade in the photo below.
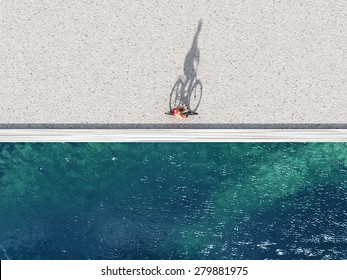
(113, 64)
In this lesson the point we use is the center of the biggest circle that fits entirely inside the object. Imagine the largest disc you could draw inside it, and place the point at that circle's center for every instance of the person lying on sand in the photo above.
(180, 112)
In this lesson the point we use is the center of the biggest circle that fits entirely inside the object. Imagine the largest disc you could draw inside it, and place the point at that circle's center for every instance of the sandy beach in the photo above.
(113, 64)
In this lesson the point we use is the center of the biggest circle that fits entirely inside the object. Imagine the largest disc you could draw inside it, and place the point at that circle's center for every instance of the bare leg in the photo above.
(186, 109)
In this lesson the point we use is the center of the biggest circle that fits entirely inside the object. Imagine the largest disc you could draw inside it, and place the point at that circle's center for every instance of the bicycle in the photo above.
(187, 92)
(190, 113)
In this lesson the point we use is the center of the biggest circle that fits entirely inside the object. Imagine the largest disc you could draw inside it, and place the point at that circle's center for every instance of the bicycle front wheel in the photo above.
(195, 96)
(176, 94)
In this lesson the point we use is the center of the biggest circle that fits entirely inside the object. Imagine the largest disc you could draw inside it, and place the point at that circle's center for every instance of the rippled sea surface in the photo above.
(173, 201)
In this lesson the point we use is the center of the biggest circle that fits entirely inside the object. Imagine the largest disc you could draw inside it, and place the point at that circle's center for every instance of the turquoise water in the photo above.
(173, 200)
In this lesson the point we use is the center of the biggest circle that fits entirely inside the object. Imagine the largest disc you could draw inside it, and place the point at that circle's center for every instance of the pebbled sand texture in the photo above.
(95, 62)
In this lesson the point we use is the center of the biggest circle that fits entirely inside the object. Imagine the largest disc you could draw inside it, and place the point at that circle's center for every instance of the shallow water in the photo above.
(173, 200)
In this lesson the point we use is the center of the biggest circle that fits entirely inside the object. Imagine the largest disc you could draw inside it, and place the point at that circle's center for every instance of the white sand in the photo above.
(115, 62)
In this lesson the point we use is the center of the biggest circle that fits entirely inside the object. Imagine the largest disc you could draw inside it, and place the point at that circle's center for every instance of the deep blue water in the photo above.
(173, 201)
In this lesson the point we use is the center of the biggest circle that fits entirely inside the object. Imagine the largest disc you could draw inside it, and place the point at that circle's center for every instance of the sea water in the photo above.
(173, 200)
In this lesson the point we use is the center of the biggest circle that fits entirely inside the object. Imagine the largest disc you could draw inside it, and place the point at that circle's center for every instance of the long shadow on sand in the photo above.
(188, 88)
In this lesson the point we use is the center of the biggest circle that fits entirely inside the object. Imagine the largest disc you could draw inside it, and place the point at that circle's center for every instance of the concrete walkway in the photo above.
(173, 135)
(112, 64)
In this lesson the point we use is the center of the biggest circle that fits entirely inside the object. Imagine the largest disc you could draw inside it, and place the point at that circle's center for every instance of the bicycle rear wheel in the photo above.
(195, 96)
(176, 94)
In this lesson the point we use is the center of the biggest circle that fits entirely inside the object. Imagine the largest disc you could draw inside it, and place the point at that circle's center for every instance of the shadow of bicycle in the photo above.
(188, 88)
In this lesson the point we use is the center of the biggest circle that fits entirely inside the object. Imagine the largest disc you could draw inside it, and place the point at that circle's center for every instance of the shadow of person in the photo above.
(188, 88)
